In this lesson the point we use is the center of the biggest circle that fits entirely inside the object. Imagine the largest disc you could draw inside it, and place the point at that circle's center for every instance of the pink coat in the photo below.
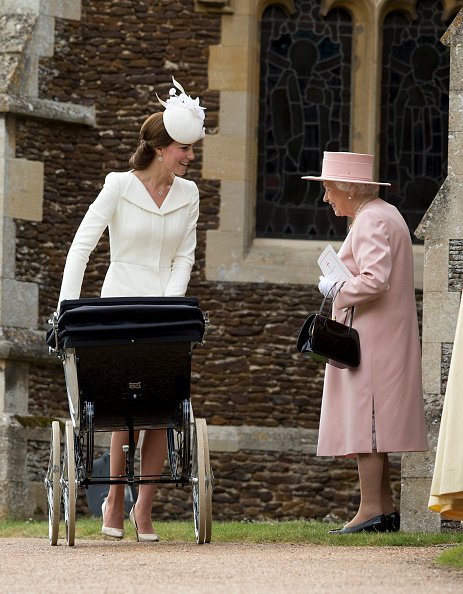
(378, 252)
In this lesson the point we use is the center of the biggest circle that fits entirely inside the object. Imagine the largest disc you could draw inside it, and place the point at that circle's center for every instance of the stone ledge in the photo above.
(25, 345)
(276, 261)
(267, 439)
(221, 438)
(48, 110)
(213, 6)
(232, 438)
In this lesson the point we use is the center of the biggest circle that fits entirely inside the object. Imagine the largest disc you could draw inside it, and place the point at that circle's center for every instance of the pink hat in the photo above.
(347, 167)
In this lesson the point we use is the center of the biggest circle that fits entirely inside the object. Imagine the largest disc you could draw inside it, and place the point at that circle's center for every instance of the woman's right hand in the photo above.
(327, 286)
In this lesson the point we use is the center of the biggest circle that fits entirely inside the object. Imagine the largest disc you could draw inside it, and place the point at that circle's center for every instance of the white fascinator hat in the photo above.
(183, 116)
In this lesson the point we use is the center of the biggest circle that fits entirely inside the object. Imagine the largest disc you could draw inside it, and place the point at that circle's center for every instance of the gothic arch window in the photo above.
(414, 108)
(304, 109)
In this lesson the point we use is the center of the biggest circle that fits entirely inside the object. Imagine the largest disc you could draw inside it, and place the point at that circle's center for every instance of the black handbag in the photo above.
(328, 341)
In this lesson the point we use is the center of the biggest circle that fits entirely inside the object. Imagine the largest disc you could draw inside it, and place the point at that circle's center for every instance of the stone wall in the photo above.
(248, 372)
(284, 486)
(26, 35)
(249, 485)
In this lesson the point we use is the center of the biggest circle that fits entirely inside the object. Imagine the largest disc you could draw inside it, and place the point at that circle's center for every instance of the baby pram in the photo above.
(127, 365)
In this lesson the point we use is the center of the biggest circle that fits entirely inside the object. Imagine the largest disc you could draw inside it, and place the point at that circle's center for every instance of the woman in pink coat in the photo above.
(377, 407)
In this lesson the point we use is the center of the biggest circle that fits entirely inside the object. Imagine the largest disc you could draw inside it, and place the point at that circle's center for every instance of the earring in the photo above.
(159, 158)
(350, 197)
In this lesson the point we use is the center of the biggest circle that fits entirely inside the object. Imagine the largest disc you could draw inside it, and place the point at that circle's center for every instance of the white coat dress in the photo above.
(378, 252)
(151, 248)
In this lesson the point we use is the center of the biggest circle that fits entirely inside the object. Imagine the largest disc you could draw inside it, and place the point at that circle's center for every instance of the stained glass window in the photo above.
(414, 110)
(304, 109)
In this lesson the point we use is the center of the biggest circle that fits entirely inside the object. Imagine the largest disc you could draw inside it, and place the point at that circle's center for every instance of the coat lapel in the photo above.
(176, 198)
(136, 193)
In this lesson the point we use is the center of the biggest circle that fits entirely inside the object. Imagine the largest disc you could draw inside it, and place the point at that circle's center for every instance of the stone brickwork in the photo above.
(249, 485)
(446, 356)
(268, 485)
(456, 265)
(248, 374)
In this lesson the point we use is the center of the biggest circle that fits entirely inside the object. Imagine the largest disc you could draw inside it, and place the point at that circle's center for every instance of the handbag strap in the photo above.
(330, 311)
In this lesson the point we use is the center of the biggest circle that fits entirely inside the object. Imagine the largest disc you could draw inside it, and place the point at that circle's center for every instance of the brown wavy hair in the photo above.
(153, 135)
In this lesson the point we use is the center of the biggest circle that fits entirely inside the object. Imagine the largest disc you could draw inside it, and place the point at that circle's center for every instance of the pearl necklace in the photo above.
(358, 209)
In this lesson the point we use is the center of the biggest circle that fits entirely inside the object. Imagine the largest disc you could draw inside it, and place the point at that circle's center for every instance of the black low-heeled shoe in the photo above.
(393, 522)
(376, 524)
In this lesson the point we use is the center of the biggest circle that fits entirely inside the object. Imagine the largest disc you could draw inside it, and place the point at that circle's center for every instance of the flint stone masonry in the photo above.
(249, 484)
(456, 265)
(446, 357)
(260, 397)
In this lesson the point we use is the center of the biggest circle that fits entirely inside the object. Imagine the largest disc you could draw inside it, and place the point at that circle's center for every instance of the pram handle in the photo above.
(53, 321)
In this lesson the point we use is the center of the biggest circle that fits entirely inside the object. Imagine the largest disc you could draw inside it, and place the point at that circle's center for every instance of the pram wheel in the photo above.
(52, 484)
(200, 470)
(68, 484)
(209, 484)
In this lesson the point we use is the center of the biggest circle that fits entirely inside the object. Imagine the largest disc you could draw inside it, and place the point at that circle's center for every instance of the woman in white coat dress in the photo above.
(151, 213)
(377, 407)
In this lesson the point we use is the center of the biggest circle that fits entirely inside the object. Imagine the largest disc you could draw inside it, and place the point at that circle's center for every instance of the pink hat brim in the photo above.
(344, 180)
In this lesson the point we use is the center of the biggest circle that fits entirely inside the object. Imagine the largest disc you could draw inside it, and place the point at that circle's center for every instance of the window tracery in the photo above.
(414, 108)
(303, 110)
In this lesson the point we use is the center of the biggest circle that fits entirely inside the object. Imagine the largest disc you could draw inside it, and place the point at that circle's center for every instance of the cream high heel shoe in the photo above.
(141, 537)
(106, 530)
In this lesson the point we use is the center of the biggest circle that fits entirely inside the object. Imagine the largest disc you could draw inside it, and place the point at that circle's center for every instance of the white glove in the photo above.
(327, 286)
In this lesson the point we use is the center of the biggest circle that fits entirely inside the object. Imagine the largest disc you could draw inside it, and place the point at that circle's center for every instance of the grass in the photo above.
(296, 532)
(452, 558)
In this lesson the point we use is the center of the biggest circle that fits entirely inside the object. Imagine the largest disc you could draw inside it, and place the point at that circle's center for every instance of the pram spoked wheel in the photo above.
(201, 483)
(52, 484)
(68, 484)
(209, 485)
